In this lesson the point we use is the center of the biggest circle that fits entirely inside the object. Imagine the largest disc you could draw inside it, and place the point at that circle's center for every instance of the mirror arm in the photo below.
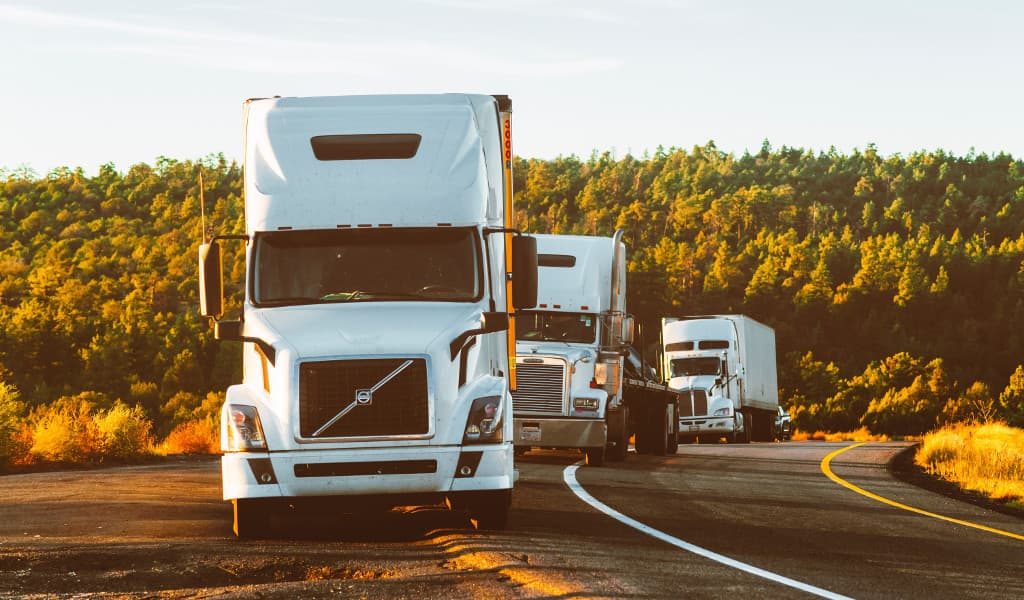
(264, 347)
(460, 340)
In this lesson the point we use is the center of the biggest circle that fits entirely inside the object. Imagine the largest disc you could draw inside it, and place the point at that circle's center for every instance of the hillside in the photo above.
(895, 284)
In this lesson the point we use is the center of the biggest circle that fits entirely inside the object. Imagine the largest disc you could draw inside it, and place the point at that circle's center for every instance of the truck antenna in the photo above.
(202, 204)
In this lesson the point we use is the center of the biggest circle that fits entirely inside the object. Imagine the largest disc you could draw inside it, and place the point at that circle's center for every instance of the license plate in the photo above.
(530, 434)
(694, 427)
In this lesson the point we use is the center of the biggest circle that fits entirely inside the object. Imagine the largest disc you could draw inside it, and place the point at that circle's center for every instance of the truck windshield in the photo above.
(366, 265)
(698, 365)
(552, 326)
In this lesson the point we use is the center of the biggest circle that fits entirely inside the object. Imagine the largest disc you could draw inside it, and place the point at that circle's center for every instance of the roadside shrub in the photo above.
(124, 432)
(65, 431)
(200, 436)
(986, 458)
(70, 430)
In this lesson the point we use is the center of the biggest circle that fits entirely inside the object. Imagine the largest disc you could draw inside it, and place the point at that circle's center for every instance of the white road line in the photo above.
(569, 475)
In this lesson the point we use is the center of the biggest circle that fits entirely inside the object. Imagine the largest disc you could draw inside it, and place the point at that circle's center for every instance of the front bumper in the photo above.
(559, 432)
(706, 426)
(364, 472)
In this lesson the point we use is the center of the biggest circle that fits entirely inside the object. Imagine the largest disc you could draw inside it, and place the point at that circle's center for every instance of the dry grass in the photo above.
(199, 436)
(857, 435)
(986, 458)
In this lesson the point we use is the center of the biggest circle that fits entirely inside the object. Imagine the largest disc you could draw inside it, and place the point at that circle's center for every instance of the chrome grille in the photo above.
(540, 388)
(686, 403)
(399, 407)
(700, 403)
(693, 403)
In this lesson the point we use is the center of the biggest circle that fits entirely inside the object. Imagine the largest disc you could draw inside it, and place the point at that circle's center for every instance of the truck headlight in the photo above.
(723, 412)
(585, 403)
(484, 423)
(245, 432)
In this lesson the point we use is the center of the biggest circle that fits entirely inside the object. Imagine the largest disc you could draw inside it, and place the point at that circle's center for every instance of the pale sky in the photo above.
(84, 83)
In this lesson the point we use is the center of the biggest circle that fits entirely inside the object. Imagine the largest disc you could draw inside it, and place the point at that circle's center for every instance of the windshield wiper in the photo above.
(361, 294)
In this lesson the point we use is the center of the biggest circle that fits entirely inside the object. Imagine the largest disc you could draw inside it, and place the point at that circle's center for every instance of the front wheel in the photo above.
(251, 518)
(619, 447)
(490, 509)
(742, 437)
(673, 429)
(595, 456)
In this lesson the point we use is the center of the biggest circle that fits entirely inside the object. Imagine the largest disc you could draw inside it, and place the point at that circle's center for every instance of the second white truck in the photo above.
(724, 367)
(575, 388)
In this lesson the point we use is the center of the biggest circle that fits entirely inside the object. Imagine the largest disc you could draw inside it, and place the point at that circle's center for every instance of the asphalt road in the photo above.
(162, 529)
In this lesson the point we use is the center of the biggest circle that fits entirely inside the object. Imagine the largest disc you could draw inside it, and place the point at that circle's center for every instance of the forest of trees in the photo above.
(895, 284)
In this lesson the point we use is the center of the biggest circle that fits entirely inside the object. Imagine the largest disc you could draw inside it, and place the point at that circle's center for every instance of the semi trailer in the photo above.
(381, 282)
(724, 368)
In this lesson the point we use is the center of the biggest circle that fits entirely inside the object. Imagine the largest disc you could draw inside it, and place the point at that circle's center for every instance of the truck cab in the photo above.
(378, 303)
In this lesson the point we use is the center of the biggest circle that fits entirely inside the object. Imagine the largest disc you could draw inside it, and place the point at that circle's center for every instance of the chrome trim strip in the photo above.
(363, 398)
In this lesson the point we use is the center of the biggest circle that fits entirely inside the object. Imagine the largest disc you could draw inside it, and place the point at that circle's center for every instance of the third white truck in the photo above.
(724, 367)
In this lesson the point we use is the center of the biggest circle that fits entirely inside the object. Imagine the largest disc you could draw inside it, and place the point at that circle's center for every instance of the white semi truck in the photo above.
(724, 367)
(575, 390)
(378, 317)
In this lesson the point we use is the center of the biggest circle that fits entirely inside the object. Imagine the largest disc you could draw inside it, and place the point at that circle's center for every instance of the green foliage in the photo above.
(1011, 400)
(12, 411)
(98, 282)
(868, 267)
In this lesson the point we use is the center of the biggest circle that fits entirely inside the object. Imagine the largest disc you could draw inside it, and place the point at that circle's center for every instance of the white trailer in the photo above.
(725, 368)
(378, 321)
(574, 385)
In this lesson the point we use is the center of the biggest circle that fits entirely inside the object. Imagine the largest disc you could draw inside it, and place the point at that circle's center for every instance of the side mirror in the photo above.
(628, 327)
(494, 321)
(211, 285)
(524, 271)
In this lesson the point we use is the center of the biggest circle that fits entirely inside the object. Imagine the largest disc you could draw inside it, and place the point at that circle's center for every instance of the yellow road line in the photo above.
(827, 470)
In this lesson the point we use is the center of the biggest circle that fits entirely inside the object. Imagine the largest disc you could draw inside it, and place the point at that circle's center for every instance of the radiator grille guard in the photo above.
(540, 388)
(371, 403)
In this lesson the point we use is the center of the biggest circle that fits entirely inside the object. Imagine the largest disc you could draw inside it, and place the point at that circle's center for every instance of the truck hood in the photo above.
(366, 328)
(570, 353)
(704, 382)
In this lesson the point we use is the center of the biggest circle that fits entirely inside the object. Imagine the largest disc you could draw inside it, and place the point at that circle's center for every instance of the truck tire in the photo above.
(251, 518)
(764, 426)
(742, 437)
(619, 447)
(595, 456)
(490, 509)
(656, 425)
(672, 446)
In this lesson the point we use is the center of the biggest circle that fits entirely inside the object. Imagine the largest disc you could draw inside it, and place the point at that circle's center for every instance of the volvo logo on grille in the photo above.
(363, 397)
